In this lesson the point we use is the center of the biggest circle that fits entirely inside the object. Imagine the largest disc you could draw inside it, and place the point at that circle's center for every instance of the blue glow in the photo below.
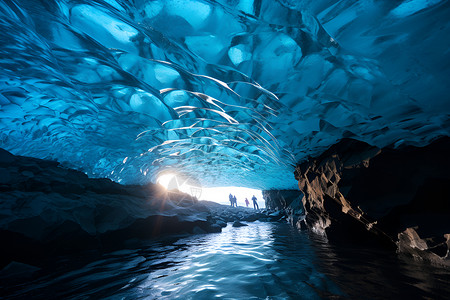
(232, 93)
(413, 6)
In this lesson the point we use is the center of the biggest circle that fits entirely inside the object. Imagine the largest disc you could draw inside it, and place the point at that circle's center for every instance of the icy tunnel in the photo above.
(338, 111)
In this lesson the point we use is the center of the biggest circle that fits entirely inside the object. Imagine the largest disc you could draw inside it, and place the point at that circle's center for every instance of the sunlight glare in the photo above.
(185, 184)
(165, 179)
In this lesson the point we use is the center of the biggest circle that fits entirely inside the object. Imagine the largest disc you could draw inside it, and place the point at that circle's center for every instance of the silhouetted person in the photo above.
(231, 199)
(235, 200)
(255, 204)
(247, 202)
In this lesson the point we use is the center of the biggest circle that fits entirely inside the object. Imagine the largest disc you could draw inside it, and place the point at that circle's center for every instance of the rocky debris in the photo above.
(276, 214)
(288, 206)
(238, 224)
(431, 249)
(221, 223)
(410, 239)
(224, 214)
(354, 189)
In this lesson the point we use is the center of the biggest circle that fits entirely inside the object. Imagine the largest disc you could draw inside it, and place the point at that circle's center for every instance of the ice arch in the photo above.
(231, 92)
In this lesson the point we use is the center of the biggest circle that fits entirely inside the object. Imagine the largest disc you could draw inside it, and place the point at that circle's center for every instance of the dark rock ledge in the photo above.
(400, 198)
(48, 210)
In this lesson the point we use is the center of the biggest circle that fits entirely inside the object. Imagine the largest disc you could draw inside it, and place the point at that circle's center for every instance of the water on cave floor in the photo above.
(259, 261)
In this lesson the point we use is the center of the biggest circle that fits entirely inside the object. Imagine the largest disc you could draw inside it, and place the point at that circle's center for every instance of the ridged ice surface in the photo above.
(231, 92)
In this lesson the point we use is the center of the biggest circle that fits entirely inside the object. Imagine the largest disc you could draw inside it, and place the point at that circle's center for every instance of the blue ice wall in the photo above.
(230, 92)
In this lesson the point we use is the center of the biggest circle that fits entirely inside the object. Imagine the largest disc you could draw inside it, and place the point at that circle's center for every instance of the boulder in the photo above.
(238, 224)
(221, 223)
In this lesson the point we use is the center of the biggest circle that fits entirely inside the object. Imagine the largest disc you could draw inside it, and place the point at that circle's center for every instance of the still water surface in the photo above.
(259, 261)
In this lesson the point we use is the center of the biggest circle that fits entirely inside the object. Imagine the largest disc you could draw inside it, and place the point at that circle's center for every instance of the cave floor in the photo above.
(251, 262)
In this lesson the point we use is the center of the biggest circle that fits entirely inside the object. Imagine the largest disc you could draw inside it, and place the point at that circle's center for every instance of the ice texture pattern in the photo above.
(230, 92)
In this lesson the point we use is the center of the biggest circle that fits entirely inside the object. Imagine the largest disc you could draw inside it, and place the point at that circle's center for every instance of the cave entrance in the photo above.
(220, 195)
(191, 186)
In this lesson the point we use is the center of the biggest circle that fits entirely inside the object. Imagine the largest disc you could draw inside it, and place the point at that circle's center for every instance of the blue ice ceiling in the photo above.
(230, 92)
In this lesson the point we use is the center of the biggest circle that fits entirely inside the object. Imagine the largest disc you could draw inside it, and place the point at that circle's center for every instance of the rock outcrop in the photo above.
(280, 199)
(52, 210)
(287, 204)
(47, 210)
(400, 197)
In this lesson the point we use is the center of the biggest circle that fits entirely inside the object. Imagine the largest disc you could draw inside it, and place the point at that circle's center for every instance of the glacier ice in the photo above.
(232, 92)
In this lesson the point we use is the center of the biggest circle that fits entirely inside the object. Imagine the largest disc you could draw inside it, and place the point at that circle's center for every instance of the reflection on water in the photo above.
(241, 263)
(380, 274)
(260, 261)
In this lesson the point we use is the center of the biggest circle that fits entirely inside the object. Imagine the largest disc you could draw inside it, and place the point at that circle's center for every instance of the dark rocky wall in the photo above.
(288, 204)
(280, 199)
(399, 197)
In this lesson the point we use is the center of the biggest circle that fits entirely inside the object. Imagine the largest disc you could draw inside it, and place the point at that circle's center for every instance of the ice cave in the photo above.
(336, 112)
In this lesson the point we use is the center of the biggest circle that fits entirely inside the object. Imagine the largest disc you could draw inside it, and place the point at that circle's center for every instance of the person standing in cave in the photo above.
(255, 204)
(247, 202)
(235, 200)
(231, 199)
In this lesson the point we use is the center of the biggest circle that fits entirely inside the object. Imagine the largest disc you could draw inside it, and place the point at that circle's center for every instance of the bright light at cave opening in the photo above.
(221, 195)
(172, 181)
(165, 179)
